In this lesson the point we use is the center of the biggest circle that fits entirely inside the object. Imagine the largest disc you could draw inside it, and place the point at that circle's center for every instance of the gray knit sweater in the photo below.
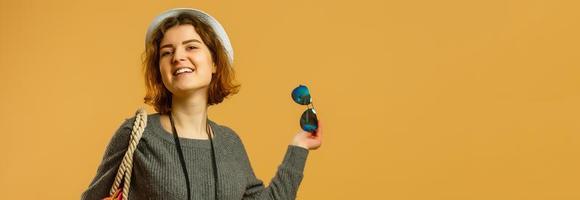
(157, 172)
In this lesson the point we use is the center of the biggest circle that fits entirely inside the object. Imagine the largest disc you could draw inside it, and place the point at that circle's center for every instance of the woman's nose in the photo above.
(178, 56)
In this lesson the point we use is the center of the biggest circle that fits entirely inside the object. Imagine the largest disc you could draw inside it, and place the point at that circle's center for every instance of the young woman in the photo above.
(183, 154)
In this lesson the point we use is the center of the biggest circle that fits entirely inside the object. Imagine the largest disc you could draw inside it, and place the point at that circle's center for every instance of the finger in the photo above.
(318, 132)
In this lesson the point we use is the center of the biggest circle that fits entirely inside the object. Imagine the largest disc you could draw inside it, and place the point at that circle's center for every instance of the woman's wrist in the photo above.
(300, 145)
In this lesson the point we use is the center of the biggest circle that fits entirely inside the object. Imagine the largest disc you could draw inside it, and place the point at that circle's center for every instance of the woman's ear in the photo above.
(213, 68)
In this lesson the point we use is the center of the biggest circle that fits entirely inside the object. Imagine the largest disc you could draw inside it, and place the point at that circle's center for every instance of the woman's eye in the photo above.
(165, 53)
(191, 47)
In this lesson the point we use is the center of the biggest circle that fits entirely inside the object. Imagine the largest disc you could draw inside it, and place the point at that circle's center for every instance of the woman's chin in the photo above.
(189, 88)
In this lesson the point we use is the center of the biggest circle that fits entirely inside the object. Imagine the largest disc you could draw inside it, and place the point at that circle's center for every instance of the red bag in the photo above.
(118, 195)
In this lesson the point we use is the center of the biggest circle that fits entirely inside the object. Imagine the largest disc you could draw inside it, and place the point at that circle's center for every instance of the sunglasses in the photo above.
(308, 121)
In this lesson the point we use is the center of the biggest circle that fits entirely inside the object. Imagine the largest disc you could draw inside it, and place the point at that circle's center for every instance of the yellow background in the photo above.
(447, 99)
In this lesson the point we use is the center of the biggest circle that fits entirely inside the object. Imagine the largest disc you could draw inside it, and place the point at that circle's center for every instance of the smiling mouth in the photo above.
(183, 70)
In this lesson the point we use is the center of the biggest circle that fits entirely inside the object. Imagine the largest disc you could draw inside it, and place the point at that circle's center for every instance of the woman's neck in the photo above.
(190, 116)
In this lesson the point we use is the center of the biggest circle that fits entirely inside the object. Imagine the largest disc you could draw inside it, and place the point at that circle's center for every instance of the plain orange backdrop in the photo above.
(449, 99)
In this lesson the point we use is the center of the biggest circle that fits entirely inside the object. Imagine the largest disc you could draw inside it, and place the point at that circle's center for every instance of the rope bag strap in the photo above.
(125, 169)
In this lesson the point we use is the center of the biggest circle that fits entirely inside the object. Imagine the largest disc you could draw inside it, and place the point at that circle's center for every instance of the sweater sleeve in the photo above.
(285, 183)
(107, 170)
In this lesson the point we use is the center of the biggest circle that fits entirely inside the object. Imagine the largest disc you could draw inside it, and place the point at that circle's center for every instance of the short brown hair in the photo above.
(222, 83)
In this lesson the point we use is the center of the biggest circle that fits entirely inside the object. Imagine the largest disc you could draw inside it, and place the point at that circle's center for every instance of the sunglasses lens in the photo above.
(309, 121)
(301, 95)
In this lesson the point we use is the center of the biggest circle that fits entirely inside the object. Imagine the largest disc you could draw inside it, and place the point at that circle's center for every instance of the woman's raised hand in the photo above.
(307, 140)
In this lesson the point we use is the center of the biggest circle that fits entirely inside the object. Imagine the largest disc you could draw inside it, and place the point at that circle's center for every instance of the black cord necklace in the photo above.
(182, 159)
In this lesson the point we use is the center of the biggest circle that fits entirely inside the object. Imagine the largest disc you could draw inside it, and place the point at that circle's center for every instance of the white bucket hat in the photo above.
(202, 16)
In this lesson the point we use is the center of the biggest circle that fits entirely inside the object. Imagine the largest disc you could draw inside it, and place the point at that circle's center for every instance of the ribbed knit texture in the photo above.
(157, 173)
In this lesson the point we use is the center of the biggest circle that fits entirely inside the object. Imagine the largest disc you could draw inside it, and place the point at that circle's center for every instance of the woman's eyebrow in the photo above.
(184, 42)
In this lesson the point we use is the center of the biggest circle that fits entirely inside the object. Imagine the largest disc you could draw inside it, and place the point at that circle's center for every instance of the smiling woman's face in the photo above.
(185, 62)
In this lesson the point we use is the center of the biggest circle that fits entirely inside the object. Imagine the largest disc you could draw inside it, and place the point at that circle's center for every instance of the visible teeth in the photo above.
(182, 70)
